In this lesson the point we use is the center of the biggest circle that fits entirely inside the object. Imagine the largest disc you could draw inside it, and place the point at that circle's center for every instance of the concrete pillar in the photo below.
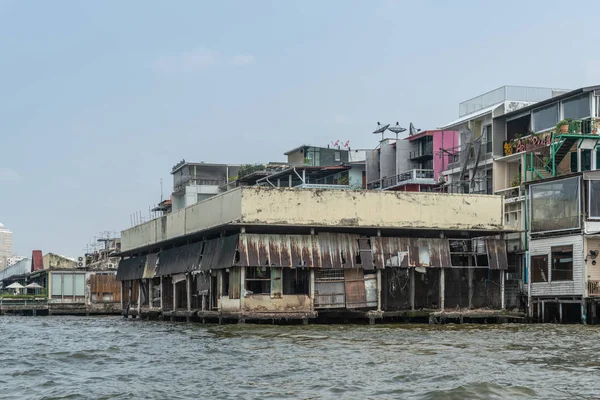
(243, 285)
(543, 311)
(311, 289)
(502, 298)
(278, 182)
(560, 312)
(470, 277)
(122, 292)
(594, 312)
(411, 271)
(442, 288)
(378, 290)
(539, 311)
(139, 305)
(583, 311)
(188, 281)
(174, 296)
(162, 292)
(219, 289)
(290, 180)
(150, 292)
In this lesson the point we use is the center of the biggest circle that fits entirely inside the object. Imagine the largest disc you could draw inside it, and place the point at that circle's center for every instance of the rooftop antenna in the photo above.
(381, 129)
(161, 190)
(397, 129)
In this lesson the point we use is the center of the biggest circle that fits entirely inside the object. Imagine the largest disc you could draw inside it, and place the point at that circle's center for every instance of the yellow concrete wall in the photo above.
(287, 303)
(52, 260)
(318, 207)
(381, 209)
(227, 304)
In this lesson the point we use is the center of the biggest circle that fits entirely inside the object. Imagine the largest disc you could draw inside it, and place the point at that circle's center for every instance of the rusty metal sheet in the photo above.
(179, 259)
(337, 250)
(275, 250)
(150, 268)
(366, 254)
(354, 285)
(497, 257)
(410, 252)
(438, 255)
(131, 269)
(219, 253)
(390, 251)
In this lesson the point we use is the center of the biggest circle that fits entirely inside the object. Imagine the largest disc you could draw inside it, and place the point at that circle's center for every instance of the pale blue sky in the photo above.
(99, 99)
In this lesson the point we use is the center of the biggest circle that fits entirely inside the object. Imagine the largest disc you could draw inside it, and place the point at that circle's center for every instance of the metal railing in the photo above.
(593, 288)
(422, 152)
(414, 175)
(194, 180)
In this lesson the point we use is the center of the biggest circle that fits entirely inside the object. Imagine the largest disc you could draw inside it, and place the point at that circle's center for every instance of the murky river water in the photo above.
(113, 358)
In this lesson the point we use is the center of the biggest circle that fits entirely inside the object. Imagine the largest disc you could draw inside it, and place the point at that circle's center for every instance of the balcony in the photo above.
(179, 188)
(423, 153)
(414, 176)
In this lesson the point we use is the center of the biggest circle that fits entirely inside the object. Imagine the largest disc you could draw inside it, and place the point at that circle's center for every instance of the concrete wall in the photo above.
(287, 303)
(403, 149)
(562, 288)
(217, 210)
(371, 165)
(592, 271)
(296, 158)
(319, 207)
(227, 304)
(52, 260)
(371, 209)
(388, 159)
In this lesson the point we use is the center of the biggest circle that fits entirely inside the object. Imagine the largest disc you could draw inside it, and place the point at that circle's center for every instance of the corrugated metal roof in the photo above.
(324, 250)
(150, 268)
(219, 253)
(179, 259)
(410, 252)
(131, 269)
(497, 253)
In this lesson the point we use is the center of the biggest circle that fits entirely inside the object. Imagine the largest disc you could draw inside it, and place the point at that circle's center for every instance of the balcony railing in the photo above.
(422, 152)
(593, 288)
(196, 180)
(424, 176)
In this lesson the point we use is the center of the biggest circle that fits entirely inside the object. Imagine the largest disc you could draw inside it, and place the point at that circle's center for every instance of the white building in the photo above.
(5, 246)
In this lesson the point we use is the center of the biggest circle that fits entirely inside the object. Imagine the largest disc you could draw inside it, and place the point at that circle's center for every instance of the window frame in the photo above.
(589, 203)
(561, 250)
(532, 267)
(534, 117)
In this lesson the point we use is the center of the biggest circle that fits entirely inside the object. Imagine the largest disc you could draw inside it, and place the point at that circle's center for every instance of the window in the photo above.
(594, 199)
(488, 138)
(296, 280)
(574, 161)
(539, 269)
(258, 280)
(338, 156)
(545, 118)
(576, 107)
(562, 263)
(586, 160)
(555, 205)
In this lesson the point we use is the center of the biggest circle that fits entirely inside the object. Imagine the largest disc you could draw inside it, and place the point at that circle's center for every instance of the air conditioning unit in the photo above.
(81, 262)
(111, 266)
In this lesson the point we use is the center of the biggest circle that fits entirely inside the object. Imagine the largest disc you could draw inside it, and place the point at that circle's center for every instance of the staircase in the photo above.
(561, 152)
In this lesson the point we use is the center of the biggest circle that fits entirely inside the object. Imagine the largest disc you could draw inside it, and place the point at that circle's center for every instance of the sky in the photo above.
(100, 99)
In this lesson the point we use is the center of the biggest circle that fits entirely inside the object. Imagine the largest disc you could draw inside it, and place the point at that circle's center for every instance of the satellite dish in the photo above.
(413, 130)
(397, 129)
(381, 128)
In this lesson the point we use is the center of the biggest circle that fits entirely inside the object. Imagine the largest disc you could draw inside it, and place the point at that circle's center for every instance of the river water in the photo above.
(113, 358)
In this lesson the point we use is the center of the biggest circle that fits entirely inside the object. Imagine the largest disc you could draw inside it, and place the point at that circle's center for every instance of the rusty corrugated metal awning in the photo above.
(131, 269)
(150, 268)
(179, 260)
(325, 250)
(497, 253)
(219, 253)
(410, 252)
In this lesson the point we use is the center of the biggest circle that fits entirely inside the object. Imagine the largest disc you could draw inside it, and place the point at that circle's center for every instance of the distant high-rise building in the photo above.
(5, 246)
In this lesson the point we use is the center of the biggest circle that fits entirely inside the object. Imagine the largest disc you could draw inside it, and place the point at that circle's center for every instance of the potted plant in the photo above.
(516, 181)
(563, 126)
(576, 126)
